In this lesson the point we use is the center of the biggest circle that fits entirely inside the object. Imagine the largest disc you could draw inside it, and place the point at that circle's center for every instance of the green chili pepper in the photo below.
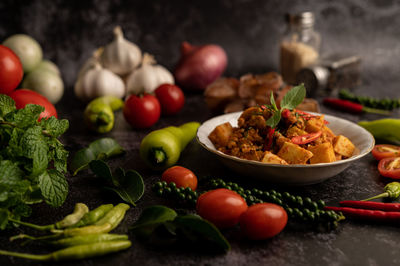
(392, 191)
(79, 211)
(94, 215)
(99, 115)
(161, 148)
(114, 216)
(71, 219)
(387, 129)
(88, 239)
(75, 252)
(86, 230)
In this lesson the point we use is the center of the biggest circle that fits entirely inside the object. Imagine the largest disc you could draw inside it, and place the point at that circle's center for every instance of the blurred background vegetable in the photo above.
(45, 82)
(199, 66)
(28, 50)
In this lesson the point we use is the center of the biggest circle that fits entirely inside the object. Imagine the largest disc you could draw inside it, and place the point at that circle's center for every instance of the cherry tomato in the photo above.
(390, 167)
(11, 71)
(24, 96)
(222, 207)
(385, 150)
(263, 220)
(171, 98)
(142, 111)
(181, 176)
(307, 138)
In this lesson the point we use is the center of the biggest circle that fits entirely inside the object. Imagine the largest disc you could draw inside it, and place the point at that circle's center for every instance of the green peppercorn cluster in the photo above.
(171, 191)
(298, 208)
(384, 104)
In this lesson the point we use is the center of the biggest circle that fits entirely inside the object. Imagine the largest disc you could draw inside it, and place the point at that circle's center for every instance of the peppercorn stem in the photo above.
(382, 195)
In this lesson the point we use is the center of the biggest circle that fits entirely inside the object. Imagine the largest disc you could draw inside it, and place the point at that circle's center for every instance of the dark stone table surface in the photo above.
(249, 31)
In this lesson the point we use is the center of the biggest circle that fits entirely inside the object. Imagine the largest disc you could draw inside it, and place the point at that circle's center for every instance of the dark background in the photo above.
(249, 31)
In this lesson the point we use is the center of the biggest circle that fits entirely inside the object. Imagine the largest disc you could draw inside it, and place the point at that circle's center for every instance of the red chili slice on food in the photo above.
(308, 116)
(390, 167)
(385, 151)
(307, 138)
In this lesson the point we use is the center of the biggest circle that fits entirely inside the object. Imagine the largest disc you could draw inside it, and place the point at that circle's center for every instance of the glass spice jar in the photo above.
(299, 46)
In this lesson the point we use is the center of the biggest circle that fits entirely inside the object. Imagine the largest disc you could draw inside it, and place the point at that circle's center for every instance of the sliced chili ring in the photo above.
(385, 151)
(307, 138)
(390, 167)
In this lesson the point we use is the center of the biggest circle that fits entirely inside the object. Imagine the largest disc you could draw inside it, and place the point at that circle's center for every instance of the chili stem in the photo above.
(157, 156)
(44, 257)
(34, 226)
(382, 195)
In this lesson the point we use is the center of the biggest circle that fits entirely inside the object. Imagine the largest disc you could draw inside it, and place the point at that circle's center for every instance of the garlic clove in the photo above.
(121, 56)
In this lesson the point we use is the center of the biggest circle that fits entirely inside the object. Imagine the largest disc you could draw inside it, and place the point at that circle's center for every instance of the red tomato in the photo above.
(222, 207)
(307, 138)
(181, 176)
(385, 150)
(24, 96)
(142, 111)
(390, 167)
(11, 71)
(263, 220)
(171, 98)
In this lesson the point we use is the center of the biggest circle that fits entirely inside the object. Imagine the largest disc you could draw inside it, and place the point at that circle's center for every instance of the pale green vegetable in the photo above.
(49, 66)
(46, 83)
(28, 50)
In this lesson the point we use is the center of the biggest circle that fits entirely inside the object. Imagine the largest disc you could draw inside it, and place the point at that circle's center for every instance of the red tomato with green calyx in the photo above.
(11, 71)
(385, 151)
(171, 98)
(142, 111)
(222, 207)
(23, 97)
(181, 176)
(390, 167)
(263, 220)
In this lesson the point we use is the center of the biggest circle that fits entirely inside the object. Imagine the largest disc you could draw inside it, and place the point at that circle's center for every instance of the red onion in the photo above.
(199, 66)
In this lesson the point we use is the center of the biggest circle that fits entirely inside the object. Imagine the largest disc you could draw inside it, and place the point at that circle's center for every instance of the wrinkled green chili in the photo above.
(75, 252)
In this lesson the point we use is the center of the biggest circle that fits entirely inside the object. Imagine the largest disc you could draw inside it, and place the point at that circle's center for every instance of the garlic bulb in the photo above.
(121, 56)
(148, 77)
(91, 62)
(98, 82)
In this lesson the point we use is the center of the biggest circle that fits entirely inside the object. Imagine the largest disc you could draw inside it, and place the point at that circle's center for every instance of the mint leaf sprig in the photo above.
(32, 160)
(292, 98)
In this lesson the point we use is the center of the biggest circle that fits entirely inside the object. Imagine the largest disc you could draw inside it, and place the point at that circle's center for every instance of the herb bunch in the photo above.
(291, 100)
(32, 160)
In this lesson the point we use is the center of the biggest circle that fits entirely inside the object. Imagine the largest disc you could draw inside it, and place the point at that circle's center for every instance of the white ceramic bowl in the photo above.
(290, 174)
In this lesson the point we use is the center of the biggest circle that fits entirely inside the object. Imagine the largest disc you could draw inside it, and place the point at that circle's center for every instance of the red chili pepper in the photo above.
(285, 113)
(371, 205)
(348, 106)
(269, 139)
(308, 116)
(307, 138)
(372, 215)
